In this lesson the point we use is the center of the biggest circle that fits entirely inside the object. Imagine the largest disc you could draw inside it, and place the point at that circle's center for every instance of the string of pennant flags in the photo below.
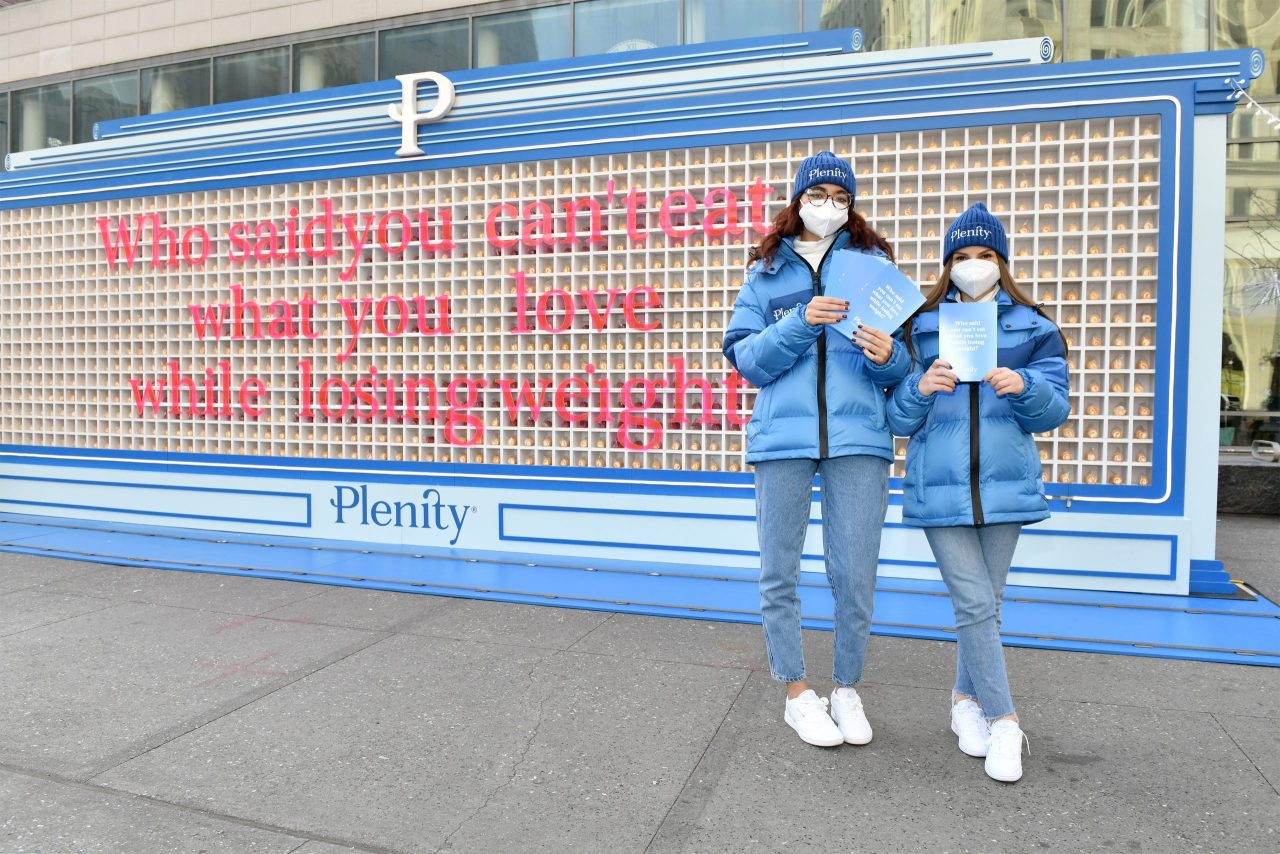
(1238, 92)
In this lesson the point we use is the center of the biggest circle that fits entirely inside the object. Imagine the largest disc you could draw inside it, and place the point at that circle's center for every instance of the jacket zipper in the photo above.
(822, 357)
(974, 492)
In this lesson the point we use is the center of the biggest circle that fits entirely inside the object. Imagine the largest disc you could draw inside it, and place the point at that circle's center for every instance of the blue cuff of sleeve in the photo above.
(804, 320)
(895, 368)
(1028, 384)
(912, 389)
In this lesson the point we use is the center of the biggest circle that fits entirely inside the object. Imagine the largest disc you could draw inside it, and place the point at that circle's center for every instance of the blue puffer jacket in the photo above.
(948, 445)
(820, 396)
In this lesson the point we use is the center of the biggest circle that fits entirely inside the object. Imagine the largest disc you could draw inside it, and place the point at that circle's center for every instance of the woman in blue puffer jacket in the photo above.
(973, 476)
(820, 409)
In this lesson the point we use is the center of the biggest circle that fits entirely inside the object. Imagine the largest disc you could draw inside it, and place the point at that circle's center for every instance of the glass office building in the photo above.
(61, 109)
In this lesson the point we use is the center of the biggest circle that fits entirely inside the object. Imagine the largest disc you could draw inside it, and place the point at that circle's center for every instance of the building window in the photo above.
(42, 117)
(100, 98)
(256, 74)
(4, 128)
(885, 24)
(522, 37)
(611, 26)
(1251, 295)
(1253, 180)
(431, 47)
(175, 87)
(1252, 23)
(1106, 29)
(718, 20)
(1251, 334)
(961, 22)
(333, 62)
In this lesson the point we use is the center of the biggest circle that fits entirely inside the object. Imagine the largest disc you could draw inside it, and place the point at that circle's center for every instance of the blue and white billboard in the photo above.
(479, 315)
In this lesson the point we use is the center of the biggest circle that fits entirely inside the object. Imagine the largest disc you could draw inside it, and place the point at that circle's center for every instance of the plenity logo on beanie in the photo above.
(824, 168)
(818, 174)
(977, 226)
(976, 231)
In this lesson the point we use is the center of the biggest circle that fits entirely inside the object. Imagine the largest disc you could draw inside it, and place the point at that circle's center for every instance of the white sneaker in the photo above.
(846, 711)
(1004, 755)
(807, 715)
(968, 722)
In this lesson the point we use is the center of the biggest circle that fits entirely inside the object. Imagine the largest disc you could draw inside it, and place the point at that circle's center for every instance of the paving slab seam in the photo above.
(98, 788)
(325, 588)
(873, 683)
(119, 600)
(1020, 697)
(1245, 754)
(524, 752)
(485, 642)
(396, 630)
(1273, 718)
(746, 667)
(107, 605)
(36, 587)
(604, 622)
(1151, 707)
(236, 705)
(696, 765)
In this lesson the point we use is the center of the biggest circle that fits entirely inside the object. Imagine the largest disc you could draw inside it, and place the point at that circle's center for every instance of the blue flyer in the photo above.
(967, 338)
(879, 295)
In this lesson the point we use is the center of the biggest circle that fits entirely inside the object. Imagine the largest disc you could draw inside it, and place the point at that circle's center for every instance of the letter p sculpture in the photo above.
(406, 112)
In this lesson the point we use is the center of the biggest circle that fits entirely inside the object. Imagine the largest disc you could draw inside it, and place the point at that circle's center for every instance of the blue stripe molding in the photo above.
(484, 475)
(591, 68)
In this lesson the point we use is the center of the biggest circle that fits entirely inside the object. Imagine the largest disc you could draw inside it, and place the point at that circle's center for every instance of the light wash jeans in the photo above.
(854, 499)
(974, 563)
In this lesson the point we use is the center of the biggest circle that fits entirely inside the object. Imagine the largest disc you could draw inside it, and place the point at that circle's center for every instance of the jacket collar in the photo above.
(1012, 315)
(953, 295)
(787, 251)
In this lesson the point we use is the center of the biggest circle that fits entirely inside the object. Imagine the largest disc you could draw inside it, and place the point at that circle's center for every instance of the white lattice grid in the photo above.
(1080, 199)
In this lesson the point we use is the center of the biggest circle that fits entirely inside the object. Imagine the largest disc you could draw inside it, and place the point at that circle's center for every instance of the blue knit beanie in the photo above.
(824, 168)
(976, 227)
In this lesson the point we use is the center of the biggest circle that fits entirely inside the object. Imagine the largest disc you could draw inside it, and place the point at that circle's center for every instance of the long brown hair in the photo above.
(939, 293)
(788, 224)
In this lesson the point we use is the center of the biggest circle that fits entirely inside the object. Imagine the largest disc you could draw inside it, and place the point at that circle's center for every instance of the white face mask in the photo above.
(974, 277)
(824, 219)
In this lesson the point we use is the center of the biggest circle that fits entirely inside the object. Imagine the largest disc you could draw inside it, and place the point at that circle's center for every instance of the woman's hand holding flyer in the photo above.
(967, 338)
(879, 295)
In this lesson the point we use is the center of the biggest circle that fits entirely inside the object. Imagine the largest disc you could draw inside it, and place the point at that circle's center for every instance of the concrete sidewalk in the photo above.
(159, 711)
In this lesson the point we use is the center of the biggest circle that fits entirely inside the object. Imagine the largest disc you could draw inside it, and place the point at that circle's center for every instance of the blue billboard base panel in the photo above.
(1181, 627)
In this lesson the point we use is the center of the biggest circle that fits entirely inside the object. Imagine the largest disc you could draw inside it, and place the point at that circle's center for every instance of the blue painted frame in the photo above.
(306, 497)
(503, 506)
